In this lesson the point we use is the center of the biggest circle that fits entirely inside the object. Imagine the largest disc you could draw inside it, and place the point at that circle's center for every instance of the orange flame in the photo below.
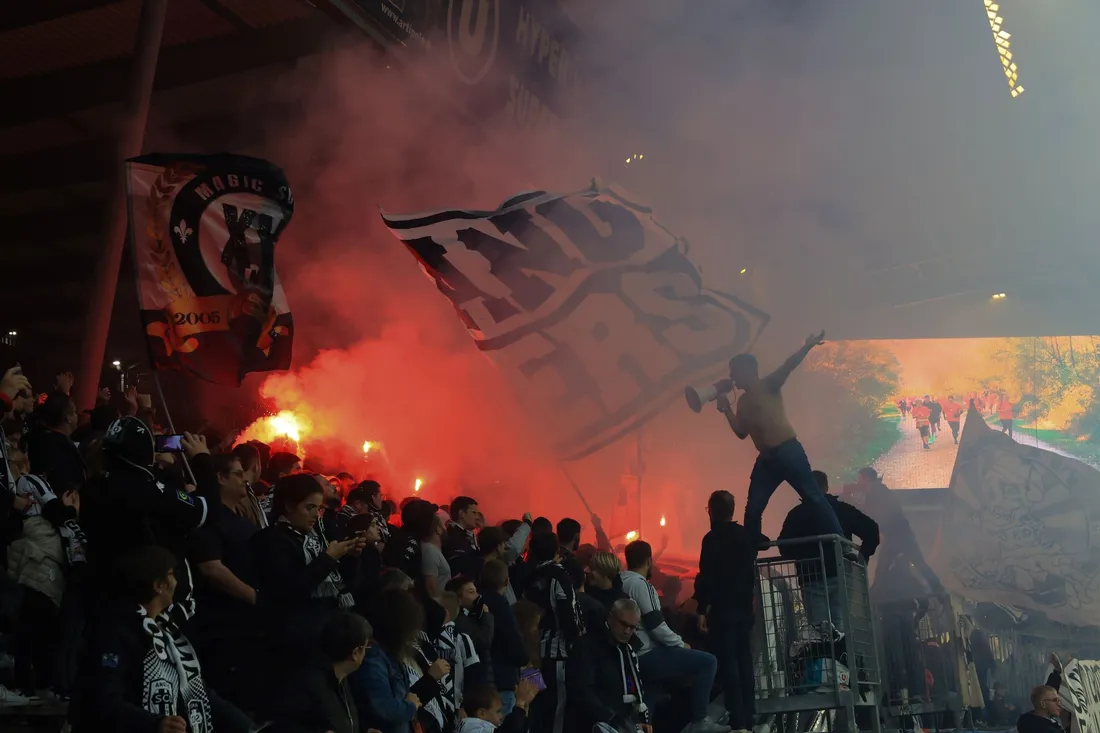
(271, 428)
(662, 521)
(367, 446)
(631, 535)
(417, 484)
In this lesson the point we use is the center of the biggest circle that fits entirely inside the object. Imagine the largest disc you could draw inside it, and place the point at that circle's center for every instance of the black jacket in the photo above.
(111, 679)
(286, 584)
(727, 571)
(551, 587)
(804, 521)
(311, 700)
(507, 651)
(128, 508)
(594, 682)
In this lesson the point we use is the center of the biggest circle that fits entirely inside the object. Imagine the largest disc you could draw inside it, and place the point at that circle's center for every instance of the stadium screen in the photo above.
(892, 404)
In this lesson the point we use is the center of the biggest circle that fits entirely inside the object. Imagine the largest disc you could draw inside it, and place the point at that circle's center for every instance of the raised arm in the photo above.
(779, 377)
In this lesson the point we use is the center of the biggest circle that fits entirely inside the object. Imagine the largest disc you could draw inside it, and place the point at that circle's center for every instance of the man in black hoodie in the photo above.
(822, 593)
(130, 508)
(724, 591)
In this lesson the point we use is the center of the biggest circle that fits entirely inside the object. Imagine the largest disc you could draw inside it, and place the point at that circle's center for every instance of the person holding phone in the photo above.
(298, 571)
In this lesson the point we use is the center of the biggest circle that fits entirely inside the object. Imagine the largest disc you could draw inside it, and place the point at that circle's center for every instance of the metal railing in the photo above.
(815, 639)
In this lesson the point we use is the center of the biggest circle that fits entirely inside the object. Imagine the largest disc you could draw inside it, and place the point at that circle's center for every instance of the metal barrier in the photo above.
(924, 665)
(815, 643)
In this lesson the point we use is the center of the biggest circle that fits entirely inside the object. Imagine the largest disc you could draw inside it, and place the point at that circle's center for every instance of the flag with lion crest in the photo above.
(203, 231)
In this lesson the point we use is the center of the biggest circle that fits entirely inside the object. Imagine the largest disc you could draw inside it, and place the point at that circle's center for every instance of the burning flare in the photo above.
(367, 446)
(284, 425)
(631, 535)
(662, 521)
(417, 484)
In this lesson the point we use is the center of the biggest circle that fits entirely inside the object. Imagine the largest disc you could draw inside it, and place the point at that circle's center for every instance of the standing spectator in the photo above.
(604, 581)
(569, 538)
(723, 596)
(664, 656)
(316, 696)
(460, 544)
(50, 446)
(231, 631)
(434, 567)
(249, 456)
(474, 618)
(552, 589)
(459, 652)
(358, 501)
(821, 585)
(602, 676)
(297, 572)
(507, 650)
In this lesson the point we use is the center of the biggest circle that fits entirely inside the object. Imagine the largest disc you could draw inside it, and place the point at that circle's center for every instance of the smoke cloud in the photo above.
(795, 141)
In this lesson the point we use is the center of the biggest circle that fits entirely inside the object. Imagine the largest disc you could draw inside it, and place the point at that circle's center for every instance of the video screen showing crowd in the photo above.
(170, 585)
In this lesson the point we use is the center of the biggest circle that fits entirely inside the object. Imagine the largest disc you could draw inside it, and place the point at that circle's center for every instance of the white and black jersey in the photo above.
(458, 649)
(552, 589)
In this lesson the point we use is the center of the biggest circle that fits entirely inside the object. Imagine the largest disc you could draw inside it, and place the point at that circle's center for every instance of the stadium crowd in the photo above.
(237, 590)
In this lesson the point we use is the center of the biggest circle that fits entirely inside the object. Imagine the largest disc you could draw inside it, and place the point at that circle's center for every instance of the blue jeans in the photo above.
(673, 664)
(818, 607)
(786, 462)
(507, 701)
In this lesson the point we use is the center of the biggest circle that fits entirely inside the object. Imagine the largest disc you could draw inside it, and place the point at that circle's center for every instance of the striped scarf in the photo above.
(172, 675)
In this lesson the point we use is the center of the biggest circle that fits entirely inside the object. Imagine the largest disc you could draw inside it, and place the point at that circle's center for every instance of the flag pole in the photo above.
(130, 142)
(131, 242)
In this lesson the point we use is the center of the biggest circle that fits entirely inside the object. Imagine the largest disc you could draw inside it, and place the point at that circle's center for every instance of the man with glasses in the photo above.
(1047, 715)
(603, 684)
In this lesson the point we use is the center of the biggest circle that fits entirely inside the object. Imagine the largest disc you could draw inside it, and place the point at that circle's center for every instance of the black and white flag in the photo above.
(587, 300)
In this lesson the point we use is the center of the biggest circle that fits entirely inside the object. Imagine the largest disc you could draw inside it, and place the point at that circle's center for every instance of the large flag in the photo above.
(587, 301)
(1022, 527)
(204, 230)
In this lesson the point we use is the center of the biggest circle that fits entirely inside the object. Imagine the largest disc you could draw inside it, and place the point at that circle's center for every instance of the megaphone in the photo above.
(698, 396)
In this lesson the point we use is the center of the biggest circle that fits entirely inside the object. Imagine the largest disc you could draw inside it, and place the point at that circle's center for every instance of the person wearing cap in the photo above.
(130, 508)
(762, 416)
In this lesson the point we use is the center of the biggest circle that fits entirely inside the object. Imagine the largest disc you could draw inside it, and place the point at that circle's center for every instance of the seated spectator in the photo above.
(507, 651)
(602, 676)
(391, 688)
(663, 655)
(485, 710)
(140, 672)
(315, 695)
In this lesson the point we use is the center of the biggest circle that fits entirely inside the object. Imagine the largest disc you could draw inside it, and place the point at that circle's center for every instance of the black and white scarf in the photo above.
(440, 708)
(313, 544)
(383, 526)
(458, 649)
(38, 490)
(173, 683)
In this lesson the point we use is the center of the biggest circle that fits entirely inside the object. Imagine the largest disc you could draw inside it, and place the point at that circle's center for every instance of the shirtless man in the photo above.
(761, 415)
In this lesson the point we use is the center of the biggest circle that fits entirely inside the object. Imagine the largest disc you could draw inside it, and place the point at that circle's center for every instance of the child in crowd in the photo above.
(484, 710)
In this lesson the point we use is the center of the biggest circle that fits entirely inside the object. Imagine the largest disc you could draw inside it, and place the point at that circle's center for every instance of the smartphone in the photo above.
(534, 676)
(169, 444)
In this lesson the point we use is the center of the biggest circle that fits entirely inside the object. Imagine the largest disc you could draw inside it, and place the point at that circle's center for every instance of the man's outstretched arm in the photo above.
(779, 377)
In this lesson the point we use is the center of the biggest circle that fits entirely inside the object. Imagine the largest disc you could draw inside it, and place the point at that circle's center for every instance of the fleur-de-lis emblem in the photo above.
(183, 231)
